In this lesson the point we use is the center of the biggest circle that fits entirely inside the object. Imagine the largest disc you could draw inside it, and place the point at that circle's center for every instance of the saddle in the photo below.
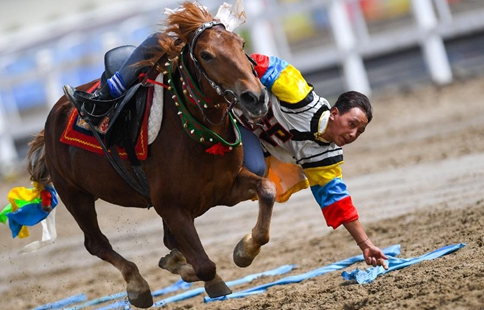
(125, 116)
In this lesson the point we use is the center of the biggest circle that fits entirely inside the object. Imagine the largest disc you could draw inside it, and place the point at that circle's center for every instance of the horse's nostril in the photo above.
(249, 97)
(255, 104)
(254, 99)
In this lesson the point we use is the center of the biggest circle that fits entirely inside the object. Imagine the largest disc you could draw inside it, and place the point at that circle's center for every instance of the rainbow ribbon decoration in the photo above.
(25, 207)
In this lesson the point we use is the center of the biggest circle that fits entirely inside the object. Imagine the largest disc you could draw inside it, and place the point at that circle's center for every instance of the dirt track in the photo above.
(416, 177)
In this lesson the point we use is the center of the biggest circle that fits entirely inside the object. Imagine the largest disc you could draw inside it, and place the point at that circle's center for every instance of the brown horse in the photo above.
(184, 180)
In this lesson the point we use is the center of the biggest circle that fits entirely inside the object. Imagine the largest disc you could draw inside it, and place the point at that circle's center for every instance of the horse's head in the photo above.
(219, 55)
(219, 61)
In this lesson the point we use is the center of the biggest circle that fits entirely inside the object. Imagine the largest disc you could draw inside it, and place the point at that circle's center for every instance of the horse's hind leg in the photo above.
(176, 263)
(249, 247)
(81, 206)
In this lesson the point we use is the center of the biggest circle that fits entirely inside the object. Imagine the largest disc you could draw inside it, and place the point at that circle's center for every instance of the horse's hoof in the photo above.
(217, 288)
(172, 260)
(139, 294)
(241, 258)
(164, 262)
(143, 300)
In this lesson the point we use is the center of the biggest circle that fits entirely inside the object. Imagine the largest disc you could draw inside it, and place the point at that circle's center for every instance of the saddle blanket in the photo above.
(77, 132)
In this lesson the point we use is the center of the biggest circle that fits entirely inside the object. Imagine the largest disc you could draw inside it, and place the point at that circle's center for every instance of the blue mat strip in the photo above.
(64, 302)
(98, 301)
(197, 291)
(124, 304)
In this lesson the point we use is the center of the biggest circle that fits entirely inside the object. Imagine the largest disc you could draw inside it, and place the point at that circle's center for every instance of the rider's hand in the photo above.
(374, 256)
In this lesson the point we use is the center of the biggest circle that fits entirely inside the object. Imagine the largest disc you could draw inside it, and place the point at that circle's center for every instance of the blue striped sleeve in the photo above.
(330, 193)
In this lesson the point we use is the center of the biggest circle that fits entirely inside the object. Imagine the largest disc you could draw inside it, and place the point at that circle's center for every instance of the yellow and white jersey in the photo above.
(296, 119)
(292, 133)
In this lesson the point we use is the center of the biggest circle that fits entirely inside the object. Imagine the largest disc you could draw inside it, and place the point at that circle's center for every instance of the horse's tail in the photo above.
(36, 165)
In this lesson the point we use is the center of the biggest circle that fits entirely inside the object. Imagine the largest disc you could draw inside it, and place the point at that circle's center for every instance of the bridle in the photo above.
(191, 49)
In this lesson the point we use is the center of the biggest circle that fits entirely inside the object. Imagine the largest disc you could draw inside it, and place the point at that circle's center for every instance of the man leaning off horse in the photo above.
(297, 144)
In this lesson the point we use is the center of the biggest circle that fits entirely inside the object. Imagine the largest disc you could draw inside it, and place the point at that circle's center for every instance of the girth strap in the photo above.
(140, 184)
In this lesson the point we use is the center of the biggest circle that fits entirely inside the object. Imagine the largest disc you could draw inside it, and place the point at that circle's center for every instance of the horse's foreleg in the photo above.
(249, 247)
(176, 263)
(81, 206)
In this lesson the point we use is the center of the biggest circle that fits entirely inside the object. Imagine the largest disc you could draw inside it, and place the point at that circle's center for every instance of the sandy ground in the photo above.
(416, 177)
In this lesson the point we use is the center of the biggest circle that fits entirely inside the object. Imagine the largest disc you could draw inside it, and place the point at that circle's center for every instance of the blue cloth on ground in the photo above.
(390, 251)
(370, 274)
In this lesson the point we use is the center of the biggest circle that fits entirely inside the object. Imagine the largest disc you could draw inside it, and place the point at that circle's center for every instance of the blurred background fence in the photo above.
(365, 45)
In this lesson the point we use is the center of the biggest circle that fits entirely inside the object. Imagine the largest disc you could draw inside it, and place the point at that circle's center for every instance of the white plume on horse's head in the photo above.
(232, 15)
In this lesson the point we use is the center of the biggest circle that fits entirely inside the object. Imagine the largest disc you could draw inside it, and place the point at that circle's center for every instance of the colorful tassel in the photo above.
(27, 207)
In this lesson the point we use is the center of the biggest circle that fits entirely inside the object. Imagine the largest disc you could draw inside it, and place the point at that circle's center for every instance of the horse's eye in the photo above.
(205, 56)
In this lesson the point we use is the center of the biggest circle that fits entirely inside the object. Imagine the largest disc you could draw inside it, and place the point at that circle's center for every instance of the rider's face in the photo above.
(346, 128)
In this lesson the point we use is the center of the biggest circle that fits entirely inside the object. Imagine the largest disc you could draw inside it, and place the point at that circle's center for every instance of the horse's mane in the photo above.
(177, 29)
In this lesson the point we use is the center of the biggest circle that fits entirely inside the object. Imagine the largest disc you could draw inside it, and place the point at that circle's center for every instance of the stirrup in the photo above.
(89, 106)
